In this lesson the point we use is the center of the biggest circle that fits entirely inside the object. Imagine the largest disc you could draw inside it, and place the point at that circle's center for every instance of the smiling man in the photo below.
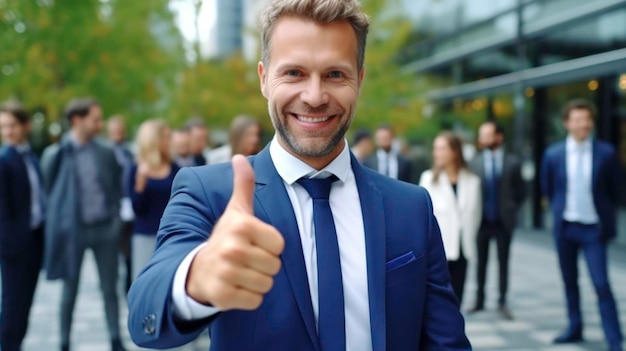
(300, 247)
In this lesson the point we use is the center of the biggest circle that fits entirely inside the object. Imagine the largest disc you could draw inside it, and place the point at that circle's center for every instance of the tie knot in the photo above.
(318, 188)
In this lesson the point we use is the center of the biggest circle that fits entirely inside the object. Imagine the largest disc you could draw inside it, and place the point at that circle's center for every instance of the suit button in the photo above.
(149, 324)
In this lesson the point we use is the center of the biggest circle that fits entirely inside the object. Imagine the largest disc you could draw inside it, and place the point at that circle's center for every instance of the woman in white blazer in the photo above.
(456, 196)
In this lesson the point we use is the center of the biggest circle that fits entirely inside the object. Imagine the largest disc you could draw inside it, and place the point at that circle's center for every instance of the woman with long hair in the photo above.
(244, 138)
(150, 183)
(456, 196)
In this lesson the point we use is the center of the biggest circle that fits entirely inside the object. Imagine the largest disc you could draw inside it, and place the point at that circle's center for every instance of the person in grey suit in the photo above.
(503, 193)
(83, 180)
(386, 160)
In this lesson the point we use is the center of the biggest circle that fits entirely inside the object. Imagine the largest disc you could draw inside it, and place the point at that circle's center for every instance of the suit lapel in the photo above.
(22, 175)
(274, 204)
(562, 166)
(595, 163)
(461, 189)
(375, 246)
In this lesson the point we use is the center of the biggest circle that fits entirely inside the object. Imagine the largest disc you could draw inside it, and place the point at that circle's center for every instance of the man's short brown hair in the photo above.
(578, 104)
(318, 11)
(16, 109)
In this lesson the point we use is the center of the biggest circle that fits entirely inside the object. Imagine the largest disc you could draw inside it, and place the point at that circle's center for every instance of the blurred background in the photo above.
(430, 65)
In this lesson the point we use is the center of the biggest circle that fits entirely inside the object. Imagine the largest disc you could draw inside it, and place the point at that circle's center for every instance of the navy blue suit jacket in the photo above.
(412, 306)
(605, 184)
(15, 203)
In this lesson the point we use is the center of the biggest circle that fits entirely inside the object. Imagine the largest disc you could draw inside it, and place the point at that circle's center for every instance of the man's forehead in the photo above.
(291, 34)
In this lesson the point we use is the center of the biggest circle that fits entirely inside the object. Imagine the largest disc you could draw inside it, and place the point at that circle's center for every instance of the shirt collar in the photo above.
(76, 144)
(290, 168)
(572, 145)
(22, 148)
(383, 153)
(497, 152)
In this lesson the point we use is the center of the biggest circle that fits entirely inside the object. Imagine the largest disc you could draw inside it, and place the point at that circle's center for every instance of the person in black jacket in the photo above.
(21, 225)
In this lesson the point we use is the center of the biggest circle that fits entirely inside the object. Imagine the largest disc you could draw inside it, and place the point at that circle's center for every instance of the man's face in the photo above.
(384, 139)
(312, 84)
(12, 131)
(90, 125)
(181, 145)
(199, 139)
(488, 137)
(579, 124)
(116, 131)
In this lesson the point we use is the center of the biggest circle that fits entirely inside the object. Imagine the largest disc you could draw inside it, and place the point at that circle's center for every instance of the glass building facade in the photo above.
(519, 62)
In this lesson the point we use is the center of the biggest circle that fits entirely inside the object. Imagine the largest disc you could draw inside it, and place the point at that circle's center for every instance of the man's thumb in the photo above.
(243, 185)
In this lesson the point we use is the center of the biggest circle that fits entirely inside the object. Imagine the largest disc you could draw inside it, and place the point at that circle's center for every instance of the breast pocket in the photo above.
(403, 267)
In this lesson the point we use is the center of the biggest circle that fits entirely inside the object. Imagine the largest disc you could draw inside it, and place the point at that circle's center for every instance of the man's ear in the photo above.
(261, 70)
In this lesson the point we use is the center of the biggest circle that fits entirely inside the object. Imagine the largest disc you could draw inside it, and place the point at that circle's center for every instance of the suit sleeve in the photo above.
(138, 199)
(443, 327)
(477, 206)
(615, 174)
(5, 199)
(519, 185)
(116, 174)
(546, 176)
(49, 164)
(186, 223)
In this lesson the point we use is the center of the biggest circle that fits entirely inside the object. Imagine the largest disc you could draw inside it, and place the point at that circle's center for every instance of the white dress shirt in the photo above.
(571, 212)
(488, 161)
(346, 208)
(36, 192)
(387, 160)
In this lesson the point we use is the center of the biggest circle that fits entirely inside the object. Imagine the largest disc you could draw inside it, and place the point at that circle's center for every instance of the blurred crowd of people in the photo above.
(108, 195)
(90, 191)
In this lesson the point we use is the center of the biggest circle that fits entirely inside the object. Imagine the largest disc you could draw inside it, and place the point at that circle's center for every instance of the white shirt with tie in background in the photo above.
(346, 208)
(488, 156)
(572, 212)
(387, 163)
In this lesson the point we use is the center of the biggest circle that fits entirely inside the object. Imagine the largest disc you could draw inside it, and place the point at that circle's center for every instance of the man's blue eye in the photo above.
(335, 74)
(293, 72)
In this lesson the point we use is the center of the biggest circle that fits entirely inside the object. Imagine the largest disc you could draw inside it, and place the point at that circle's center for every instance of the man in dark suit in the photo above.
(83, 181)
(580, 177)
(300, 247)
(199, 138)
(503, 191)
(21, 225)
(387, 160)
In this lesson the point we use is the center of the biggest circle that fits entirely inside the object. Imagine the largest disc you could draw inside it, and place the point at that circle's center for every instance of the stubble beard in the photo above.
(298, 148)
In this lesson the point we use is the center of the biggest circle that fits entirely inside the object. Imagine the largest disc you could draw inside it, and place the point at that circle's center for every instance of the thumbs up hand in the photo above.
(237, 265)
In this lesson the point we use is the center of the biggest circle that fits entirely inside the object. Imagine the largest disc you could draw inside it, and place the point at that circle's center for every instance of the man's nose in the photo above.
(315, 94)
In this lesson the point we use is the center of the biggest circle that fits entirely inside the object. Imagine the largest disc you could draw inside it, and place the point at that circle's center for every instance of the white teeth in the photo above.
(311, 119)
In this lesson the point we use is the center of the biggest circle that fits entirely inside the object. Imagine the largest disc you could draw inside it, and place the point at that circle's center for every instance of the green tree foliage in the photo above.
(389, 95)
(218, 90)
(125, 53)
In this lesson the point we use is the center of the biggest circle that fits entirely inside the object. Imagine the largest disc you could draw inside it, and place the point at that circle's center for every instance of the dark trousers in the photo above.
(125, 250)
(587, 237)
(488, 231)
(105, 249)
(458, 272)
(19, 280)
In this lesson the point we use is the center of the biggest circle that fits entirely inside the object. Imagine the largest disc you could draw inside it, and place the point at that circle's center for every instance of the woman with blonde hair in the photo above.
(150, 183)
(456, 196)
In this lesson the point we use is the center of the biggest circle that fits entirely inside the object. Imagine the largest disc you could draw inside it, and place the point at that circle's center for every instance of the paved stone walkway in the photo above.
(536, 299)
